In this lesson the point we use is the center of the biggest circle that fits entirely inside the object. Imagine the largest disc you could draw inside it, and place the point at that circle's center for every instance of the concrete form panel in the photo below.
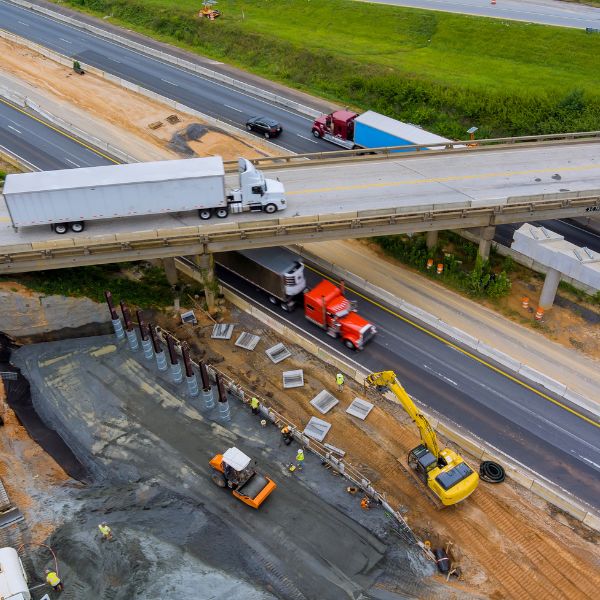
(324, 402)
(360, 408)
(317, 429)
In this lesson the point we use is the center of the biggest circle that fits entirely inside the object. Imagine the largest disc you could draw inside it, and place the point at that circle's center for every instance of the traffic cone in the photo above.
(429, 263)
(440, 268)
(525, 302)
(539, 314)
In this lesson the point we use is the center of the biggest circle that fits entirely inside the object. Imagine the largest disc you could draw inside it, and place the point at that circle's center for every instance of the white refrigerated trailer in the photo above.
(68, 198)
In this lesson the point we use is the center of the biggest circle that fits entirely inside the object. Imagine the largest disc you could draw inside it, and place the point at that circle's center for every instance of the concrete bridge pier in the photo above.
(206, 265)
(170, 270)
(486, 236)
(432, 239)
(549, 290)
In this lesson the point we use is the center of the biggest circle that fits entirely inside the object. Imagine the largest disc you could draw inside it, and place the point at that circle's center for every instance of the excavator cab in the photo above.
(235, 470)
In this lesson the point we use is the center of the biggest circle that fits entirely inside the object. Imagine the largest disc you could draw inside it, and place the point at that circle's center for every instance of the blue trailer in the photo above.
(372, 130)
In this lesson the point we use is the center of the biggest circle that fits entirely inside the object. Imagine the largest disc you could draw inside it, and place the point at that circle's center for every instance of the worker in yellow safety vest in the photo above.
(254, 404)
(339, 379)
(106, 531)
(300, 458)
(53, 580)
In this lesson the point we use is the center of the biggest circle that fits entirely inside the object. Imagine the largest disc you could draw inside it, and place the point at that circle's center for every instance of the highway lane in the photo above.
(205, 95)
(559, 445)
(42, 144)
(544, 12)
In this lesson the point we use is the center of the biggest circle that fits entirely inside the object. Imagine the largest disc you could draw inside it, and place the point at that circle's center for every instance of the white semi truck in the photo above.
(68, 198)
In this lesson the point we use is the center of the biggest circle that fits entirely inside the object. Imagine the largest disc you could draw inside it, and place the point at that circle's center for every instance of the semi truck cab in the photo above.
(326, 306)
(336, 127)
(256, 192)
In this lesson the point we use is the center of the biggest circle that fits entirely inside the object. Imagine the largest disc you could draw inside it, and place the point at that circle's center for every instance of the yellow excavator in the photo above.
(444, 472)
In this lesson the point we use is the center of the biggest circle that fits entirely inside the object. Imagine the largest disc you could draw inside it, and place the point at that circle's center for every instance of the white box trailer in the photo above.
(70, 197)
(13, 579)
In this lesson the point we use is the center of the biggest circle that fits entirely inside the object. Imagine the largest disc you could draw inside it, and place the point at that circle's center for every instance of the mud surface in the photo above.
(147, 447)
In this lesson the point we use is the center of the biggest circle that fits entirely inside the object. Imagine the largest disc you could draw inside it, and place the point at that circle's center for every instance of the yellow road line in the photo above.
(74, 139)
(450, 178)
(465, 352)
(4, 220)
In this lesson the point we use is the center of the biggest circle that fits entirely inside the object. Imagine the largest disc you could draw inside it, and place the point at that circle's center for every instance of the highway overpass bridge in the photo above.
(348, 197)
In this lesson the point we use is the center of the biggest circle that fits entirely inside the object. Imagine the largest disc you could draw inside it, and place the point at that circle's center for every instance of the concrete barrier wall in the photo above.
(466, 441)
(456, 335)
(171, 59)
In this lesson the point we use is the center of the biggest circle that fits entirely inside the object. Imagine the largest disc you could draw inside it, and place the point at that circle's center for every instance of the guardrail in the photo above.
(234, 235)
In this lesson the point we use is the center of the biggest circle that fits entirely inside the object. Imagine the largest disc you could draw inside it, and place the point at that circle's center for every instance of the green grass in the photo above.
(442, 71)
(2, 176)
(149, 290)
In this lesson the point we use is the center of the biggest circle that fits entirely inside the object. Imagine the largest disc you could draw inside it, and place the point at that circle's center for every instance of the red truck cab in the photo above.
(326, 306)
(337, 127)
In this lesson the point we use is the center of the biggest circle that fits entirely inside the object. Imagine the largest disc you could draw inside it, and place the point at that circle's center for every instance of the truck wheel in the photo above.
(205, 213)
(249, 127)
(61, 228)
(316, 133)
(267, 134)
(77, 226)
(270, 209)
(221, 213)
(219, 479)
(273, 300)
(349, 345)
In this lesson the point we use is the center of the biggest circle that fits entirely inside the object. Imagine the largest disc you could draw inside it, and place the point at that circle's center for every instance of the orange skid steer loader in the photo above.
(233, 470)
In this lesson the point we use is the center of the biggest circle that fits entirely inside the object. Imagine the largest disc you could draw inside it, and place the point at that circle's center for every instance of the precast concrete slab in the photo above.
(317, 429)
(293, 379)
(360, 408)
(248, 341)
(222, 331)
(278, 352)
(324, 402)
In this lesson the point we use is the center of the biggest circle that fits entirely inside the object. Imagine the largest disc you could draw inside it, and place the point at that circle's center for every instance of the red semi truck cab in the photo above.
(336, 127)
(327, 306)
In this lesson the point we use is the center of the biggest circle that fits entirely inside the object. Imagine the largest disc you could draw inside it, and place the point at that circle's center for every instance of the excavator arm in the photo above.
(388, 379)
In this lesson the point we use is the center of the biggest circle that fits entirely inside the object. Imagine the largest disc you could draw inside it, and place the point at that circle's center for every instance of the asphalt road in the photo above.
(559, 445)
(544, 12)
(205, 95)
(41, 144)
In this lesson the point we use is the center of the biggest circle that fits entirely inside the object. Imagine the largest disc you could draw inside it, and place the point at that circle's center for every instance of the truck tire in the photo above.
(249, 127)
(219, 479)
(316, 133)
(349, 345)
(61, 228)
(77, 226)
(273, 300)
(205, 213)
(221, 213)
(270, 209)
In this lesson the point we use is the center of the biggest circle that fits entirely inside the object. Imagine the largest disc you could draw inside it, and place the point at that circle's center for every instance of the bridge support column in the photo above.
(432, 239)
(206, 264)
(170, 270)
(486, 236)
(549, 290)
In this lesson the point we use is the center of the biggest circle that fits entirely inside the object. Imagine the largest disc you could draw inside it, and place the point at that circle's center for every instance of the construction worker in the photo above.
(254, 404)
(365, 503)
(299, 458)
(286, 432)
(53, 580)
(339, 379)
(106, 531)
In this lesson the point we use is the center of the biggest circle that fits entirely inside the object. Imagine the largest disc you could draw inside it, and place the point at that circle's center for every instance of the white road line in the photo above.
(14, 129)
(169, 82)
(579, 228)
(63, 40)
(440, 375)
(307, 138)
(589, 461)
(73, 163)
(115, 60)
(233, 108)
(25, 24)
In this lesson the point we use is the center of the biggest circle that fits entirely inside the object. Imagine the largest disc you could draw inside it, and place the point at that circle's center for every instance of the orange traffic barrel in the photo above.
(429, 263)
(525, 302)
(539, 314)
(440, 268)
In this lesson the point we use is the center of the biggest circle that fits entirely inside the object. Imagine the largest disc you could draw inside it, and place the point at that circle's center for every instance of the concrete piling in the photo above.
(146, 341)
(224, 411)
(159, 353)
(190, 376)
(176, 372)
(207, 393)
(114, 317)
(129, 330)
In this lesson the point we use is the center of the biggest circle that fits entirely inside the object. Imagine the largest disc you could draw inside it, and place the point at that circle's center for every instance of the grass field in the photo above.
(443, 71)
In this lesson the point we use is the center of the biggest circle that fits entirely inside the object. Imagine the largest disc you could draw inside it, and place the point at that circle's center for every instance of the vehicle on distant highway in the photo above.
(68, 198)
(373, 130)
(270, 128)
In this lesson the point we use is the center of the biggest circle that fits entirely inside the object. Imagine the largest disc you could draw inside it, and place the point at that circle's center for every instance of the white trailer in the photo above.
(13, 579)
(68, 198)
